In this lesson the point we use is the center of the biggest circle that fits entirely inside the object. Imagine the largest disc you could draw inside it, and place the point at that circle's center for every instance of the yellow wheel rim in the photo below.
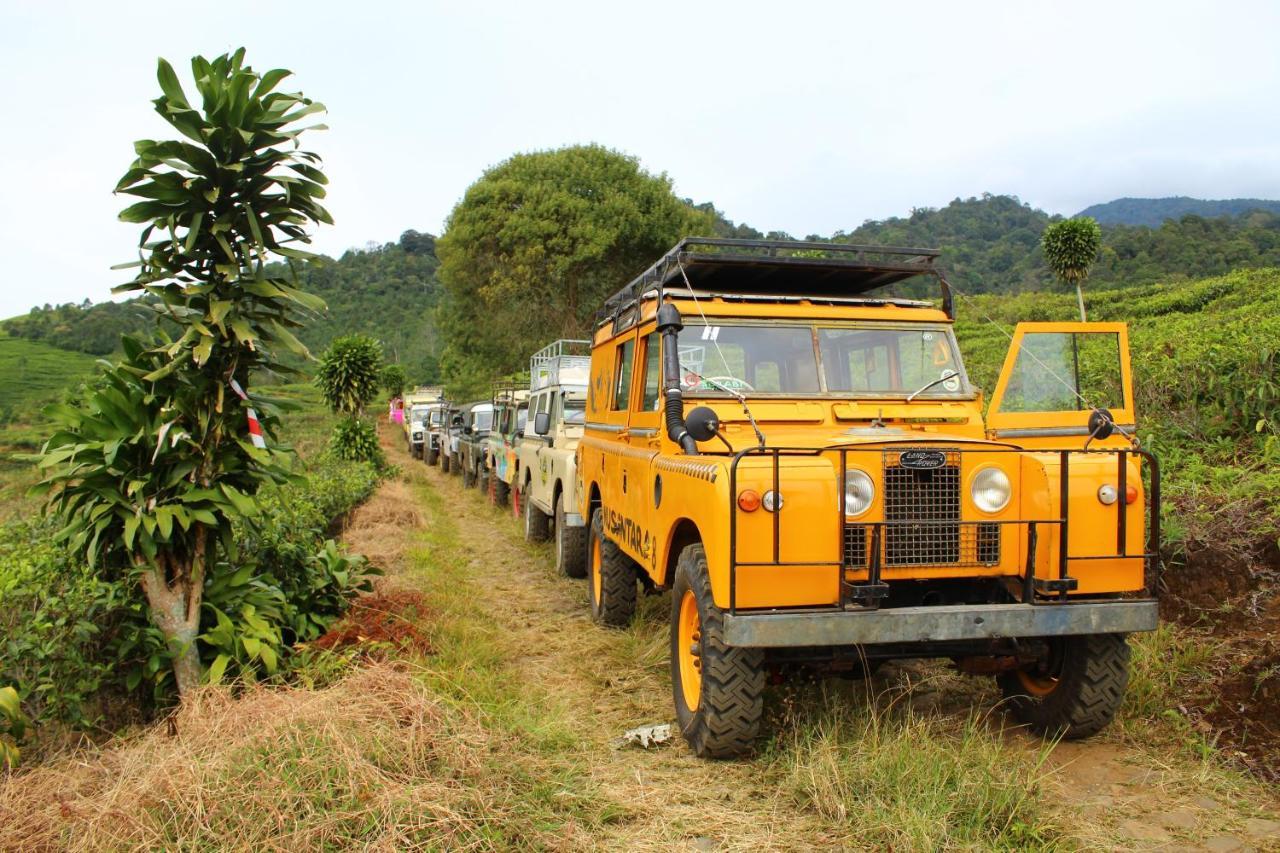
(1037, 685)
(688, 648)
(597, 584)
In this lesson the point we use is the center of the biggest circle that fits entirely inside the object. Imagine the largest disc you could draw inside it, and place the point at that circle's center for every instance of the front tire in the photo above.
(433, 457)
(1076, 692)
(501, 491)
(571, 545)
(611, 578)
(718, 689)
(535, 520)
(468, 477)
(455, 463)
(444, 463)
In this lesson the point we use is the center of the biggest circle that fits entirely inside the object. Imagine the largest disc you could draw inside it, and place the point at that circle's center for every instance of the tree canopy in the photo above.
(536, 245)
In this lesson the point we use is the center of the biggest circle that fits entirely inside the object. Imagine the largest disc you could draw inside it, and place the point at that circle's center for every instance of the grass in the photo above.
(894, 778)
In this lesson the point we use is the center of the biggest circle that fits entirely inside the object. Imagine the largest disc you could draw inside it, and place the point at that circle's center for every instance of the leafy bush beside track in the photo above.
(71, 639)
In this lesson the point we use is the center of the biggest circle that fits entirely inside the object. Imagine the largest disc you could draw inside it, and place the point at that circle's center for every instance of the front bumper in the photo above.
(935, 624)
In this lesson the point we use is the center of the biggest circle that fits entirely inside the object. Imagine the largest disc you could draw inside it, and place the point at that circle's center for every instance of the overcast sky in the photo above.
(794, 116)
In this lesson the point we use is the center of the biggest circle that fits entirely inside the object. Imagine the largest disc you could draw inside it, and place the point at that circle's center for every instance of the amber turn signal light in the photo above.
(749, 500)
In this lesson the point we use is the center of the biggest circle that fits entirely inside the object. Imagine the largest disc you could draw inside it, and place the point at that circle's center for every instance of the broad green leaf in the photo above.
(169, 84)
(218, 668)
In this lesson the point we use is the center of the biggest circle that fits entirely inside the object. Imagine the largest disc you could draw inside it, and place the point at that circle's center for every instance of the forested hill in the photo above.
(1153, 211)
(989, 245)
(388, 291)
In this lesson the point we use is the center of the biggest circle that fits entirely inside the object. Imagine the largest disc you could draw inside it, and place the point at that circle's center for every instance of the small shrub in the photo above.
(356, 439)
(13, 727)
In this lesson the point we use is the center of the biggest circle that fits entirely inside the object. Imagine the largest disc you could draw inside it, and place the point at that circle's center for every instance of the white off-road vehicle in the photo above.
(546, 473)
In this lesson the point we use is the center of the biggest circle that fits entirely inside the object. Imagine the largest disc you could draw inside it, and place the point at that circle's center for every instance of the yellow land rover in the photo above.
(800, 458)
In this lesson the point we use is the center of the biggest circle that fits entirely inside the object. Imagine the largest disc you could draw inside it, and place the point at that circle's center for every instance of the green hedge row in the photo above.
(71, 642)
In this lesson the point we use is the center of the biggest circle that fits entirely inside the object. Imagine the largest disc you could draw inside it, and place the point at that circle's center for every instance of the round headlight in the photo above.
(991, 490)
(859, 491)
(1107, 494)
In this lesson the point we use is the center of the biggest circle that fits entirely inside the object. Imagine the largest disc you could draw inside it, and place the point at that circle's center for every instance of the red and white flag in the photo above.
(255, 428)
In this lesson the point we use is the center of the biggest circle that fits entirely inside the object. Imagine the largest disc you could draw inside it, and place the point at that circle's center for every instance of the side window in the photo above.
(1054, 371)
(622, 374)
(652, 373)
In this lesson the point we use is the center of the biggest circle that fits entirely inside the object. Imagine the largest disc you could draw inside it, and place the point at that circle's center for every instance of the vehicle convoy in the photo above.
(510, 410)
(805, 465)
(418, 406)
(477, 421)
(546, 463)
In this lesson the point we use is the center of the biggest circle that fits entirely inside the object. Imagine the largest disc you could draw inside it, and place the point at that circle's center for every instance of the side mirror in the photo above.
(702, 423)
(1101, 424)
(542, 423)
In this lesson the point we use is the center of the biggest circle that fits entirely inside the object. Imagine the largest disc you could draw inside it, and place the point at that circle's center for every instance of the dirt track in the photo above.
(604, 682)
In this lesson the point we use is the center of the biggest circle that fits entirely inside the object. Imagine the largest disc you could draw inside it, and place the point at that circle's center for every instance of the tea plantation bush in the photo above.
(70, 639)
(1206, 361)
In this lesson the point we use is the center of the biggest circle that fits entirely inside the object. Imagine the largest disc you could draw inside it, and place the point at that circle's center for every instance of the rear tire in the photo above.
(611, 578)
(723, 684)
(535, 520)
(1077, 692)
(571, 545)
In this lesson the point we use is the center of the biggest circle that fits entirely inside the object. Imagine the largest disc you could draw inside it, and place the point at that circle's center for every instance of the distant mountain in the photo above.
(1153, 211)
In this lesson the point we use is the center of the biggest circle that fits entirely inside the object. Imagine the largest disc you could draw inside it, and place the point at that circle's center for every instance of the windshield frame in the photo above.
(966, 393)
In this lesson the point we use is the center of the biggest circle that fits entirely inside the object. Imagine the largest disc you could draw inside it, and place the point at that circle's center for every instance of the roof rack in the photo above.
(782, 267)
(563, 362)
(506, 391)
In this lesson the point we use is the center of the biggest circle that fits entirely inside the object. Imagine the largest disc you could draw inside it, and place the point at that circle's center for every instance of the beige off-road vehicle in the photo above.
(546, 474)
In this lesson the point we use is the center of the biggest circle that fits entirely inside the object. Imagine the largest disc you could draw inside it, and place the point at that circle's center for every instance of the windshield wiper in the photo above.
(737, 396)
(948, 374)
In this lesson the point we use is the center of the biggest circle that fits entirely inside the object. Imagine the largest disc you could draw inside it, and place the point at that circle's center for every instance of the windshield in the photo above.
(418, 413)
(436, 414)
(803, 359)
(575, 411)
(482, 420)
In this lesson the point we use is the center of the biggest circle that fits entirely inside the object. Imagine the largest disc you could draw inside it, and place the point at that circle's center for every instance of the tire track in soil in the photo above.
(673, 800)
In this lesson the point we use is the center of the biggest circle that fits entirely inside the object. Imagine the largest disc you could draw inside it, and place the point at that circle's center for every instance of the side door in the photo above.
(643, 440)
(615, 483)
(1054, 379)
(534, 445)
(1055, 376)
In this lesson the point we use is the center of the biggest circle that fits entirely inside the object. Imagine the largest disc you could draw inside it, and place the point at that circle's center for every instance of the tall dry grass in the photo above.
(373, 762)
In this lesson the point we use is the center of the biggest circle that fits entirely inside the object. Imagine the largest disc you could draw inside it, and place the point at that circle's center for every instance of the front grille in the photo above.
(922, 525)
(917, 505)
